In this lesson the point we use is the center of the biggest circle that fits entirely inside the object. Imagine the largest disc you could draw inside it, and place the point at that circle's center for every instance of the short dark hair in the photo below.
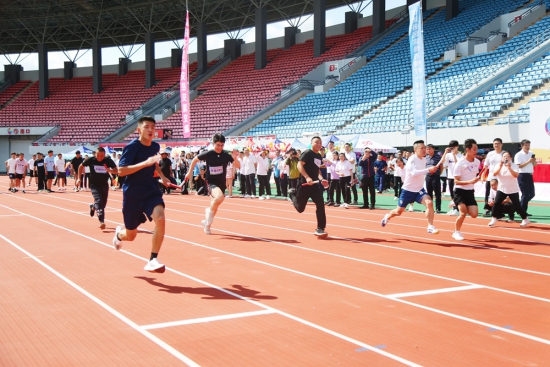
(418, 142)
(431, 146)
(218, 138)
(142, 119)
(348, 144)
(497, 139)
(13, 153)
(49, 151)
(315, 137)
(77, 152)
(494, 179)
(100, 149)
(330, 142)
(453, 143)
(468, 143)
(524, 141)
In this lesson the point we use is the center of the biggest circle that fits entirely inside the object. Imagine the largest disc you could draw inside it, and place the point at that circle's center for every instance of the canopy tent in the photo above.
(83, 150)
(297, 144)
(361, 141)
(332, 138)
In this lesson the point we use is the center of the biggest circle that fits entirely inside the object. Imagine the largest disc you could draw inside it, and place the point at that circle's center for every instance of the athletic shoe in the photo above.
(330, 203)
(102, 225)
(116, 242)
(23, 191)
(453, 212)
(395, 198)
(487, 213)
(372, 207)
(209, 216)
(246, 196)
(253, 196)
(525, 222)
(492, 222)
(92, 210)
(205, 226)
(355, 202)
(261, 198)
(384, 220)
(457, 236)
(319, 232)
(438, 211)
(336, 205)
(154, 266)
(452, 204)
(433, 230)
(267, 197)
(411, 209)
(228, 196)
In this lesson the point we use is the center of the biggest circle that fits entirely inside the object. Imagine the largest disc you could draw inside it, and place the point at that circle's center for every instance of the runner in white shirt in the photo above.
(413, 187)
(449, 160)
(60, 170)
(508, 186)
(20, 171)
(10, 168)
(492, 160)
(466, 175)
(30, 166)
(262, 168)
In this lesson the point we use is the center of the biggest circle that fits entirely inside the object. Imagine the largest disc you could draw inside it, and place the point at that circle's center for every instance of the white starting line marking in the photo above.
(207, 319)
(434, 291)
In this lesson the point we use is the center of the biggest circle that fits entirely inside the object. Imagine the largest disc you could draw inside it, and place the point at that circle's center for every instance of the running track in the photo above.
(263, 291)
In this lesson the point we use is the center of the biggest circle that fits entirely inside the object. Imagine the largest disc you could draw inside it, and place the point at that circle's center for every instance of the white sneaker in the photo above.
(457, 236)
(267, 197)
(433, 230)
(452, 204)
(261, 198)
(492, 222)
(229, 196)
(209, 216)
(252, 196)
(154, 266)
(395, 198)
(116, 242)
(411, 209)
(247, 196)
(384, 220)
(525, 222)
(453, 212)
(206, 227)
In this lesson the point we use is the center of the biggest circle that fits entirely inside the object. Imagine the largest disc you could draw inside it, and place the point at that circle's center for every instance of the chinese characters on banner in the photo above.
(184, 83)
(416, 39)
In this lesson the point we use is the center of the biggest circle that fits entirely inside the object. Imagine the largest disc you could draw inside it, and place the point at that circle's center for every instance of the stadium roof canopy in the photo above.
(72, 24)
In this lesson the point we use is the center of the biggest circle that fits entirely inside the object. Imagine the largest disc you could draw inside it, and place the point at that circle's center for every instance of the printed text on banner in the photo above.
(184, 83)
(416, 39)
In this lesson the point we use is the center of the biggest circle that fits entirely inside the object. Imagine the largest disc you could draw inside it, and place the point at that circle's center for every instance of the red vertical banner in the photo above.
(184, 82)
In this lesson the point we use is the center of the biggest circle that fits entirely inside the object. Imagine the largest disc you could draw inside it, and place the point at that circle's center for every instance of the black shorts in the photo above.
(11, 176)
(465, 197)
(61, 175)
(140, 210)
(18, 176)
(50, 175)
(31, 173)
(211, 186)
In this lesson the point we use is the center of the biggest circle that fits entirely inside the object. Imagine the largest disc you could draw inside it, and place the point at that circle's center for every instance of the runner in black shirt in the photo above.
(216, 169)
(100, 168)
(309, 164)
(40, 171)
(75, 164)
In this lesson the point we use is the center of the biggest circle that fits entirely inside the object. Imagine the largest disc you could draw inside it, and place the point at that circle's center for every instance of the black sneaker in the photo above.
(319, 232)
(330, 203)
(529, 215)
(487, 213)
(92, 210)
(336, 205)
(371, 207)
(355, 202)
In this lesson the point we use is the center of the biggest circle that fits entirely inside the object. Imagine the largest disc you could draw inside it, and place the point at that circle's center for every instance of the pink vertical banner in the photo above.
(184, 83)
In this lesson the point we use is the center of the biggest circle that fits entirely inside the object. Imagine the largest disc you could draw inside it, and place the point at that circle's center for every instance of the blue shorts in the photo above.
(408, 197)
(140, 210)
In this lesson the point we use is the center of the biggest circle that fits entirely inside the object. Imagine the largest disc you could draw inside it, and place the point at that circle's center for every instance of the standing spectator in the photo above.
(86, 175)
(20, 171)
(75, 164)
(397, 180)
(390, 172)
(491, 161)
(10, 168)
(242, 177)
(433, 179)
(40, 172)
(508, 186)
(334, 181)
(367, 181)
(250, 162)
(344, 169)
(294, 173)
(400, 172)
(113, 177)
(323, 169)
(276, 171)
(352, 158)
(175, 161)
(526, 162)
(262, 167)
(30, 165)
(166, 168)
(49, 162)
(60, 172)
(284, 170)
(380, 167)
(443, 179)
(230, 175)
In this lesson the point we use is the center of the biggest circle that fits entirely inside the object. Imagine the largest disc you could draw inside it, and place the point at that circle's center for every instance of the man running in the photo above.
(216, 169)
(309, 166)
(413, 187)
(142, 198)
(465, 177)
(100, 168)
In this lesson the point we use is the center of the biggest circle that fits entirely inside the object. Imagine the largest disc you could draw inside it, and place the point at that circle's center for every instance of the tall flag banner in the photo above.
(416, 38)
(184, 83)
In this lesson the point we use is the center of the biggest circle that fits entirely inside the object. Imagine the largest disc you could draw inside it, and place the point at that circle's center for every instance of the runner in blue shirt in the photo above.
(142, 198)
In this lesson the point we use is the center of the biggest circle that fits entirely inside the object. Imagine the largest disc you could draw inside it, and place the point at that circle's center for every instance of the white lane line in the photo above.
(338, 255)
(434, 291)
(330, 281)
(108, 308)
(207, 319)
(11, 215)
(292, 317)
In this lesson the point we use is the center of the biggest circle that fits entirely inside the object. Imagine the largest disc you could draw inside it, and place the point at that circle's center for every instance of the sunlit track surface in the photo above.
(262, 290)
